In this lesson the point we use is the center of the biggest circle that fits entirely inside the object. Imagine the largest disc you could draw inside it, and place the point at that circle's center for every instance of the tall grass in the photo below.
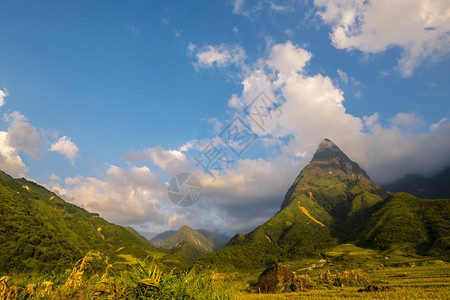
(144, 280)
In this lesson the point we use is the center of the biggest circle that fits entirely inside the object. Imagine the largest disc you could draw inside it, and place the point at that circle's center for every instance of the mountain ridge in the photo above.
(330, 202)
(188, 243)
(41, 232)
(434, 187)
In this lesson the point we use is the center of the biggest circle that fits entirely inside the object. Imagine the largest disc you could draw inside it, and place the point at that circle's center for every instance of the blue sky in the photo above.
(103, 102)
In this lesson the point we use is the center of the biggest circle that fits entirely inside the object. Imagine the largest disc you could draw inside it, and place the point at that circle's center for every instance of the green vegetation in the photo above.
(338, 231)
(333, 200)
(194, 237)
(400, 277)
(325, 204)
(289, 234)
(40, 232)
(185, 250)
(142, 281)
(187, 244)
(421, 225)
(428, 280)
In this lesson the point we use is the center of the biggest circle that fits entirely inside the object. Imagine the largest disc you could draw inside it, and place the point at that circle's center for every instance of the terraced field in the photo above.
(429, 281)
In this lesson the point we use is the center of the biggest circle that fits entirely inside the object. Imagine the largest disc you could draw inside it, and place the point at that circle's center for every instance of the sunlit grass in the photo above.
(145, 280)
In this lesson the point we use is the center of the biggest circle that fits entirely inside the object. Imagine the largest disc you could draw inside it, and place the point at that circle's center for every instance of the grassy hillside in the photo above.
(41, 232)
(420, 225)
(185, 250)
(195, 238)
(159, 239)
(334, 201)
(187, 243)
(299, 230)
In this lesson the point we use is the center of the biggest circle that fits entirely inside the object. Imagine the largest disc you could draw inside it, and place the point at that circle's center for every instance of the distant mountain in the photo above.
(331, 201)
(41, 232)
(159, 239)
(219, 239)
(188, 243)
(436, 187)
(190, 235)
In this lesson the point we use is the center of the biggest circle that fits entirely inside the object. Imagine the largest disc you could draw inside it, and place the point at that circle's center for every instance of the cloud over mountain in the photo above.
(311, 107)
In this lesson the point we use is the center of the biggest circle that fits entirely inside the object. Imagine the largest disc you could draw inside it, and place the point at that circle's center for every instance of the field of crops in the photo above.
(428, 281)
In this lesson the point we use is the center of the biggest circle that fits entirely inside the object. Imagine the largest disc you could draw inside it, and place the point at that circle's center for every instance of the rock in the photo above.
(322, 261)
(374, 288)
(275, 279)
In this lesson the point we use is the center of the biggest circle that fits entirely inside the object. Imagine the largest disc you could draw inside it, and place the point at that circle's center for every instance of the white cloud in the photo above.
(252, 190)
(249, 194)
(122, 196)
(250, 9)
(216, 124)
(240, 7)
(419, 27)
(287, 58)
(10, 161)
(54, 177)
(435, 126)
(343, 76)
(219, 56)
(3, 94)
(237, 6)
(23, 136)
(188, 145)
(280, 7)
(167, 160)
(234, 102)
(407, 121)
(313, 109)
(66, 147)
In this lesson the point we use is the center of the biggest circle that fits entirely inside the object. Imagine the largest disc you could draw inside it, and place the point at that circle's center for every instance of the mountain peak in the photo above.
(329, 155)
(328, 150)
(185, 228)
(327, 144)
(332, 166)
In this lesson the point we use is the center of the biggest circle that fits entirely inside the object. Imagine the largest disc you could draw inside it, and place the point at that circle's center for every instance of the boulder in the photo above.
(275, 279)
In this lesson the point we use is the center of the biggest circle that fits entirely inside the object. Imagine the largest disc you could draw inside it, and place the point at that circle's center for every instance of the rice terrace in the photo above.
(267, 149)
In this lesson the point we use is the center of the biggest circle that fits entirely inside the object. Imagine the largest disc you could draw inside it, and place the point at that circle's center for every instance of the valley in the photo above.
(337, 231)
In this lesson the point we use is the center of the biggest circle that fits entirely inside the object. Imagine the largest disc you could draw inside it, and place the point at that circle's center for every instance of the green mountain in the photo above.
(219, 239)
(435, 187)
(187, 243)
(41, 232)
(185, 250)
(188, 234)
(159, 239)
(416, 225)
(331, 201)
